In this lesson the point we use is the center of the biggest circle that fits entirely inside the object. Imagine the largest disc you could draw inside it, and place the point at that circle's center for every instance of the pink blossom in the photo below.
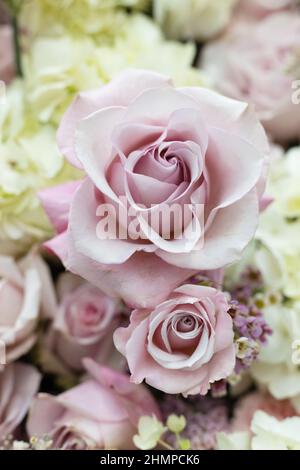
(184, 344)
(101, 413)
(83, 324)
(18, 385)
(260, 70)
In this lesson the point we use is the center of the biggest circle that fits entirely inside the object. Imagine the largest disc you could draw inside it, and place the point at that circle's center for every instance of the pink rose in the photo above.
(25, 291)
(258, 9)
(18, 385)
(246, 407)
(83, 324)
(184, 344)
(260, 70)
(148, 146)
(7, 68)
(101, 413)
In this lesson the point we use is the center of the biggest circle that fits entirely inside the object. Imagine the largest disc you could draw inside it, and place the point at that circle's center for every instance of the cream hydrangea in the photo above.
(280, 224)
(100, 18)
(59, 67)
(29, 161)
(197, 19)
(267, 433)
(276, 250)
(277, 367)
(276, 253)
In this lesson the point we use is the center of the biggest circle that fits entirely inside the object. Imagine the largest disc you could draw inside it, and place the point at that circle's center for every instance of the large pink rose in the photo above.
(184, 344)
(101, 413)
(148, 146)
(83, 325)
(260, 71)
(7, 68)
(25, 292)
(18, 385)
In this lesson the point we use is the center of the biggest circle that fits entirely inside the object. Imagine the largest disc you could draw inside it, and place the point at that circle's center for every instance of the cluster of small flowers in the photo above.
(251, 329)
(35, 443)
(205, 418)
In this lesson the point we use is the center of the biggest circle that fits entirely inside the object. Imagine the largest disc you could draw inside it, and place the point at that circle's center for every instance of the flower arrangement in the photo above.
(149, 225)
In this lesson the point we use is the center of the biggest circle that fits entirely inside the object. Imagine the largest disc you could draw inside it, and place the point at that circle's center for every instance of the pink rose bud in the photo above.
(83, 324)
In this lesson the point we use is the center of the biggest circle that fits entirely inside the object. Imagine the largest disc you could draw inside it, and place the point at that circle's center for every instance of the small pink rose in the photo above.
(101, 413)
(83, 324)
(148, 146)
(260, 71)
(184, 344)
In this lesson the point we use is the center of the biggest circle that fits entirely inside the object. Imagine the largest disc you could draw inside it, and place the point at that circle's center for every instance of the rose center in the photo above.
(186, 323)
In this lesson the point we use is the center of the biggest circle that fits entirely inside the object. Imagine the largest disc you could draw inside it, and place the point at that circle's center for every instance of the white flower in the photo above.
(275, 367)
(267, 434)
(233, 441)
(296, 352)
(20, 445)
(276, 253)
(271, 434)
(197, 19)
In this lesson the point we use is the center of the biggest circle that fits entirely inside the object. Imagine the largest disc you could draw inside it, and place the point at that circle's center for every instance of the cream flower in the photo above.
(197, 19)
(82, 64)
(150, 431)
(29, 162)
(267, 434)
(276, 253)
(280, 224)
(100, 18)
(275, 367)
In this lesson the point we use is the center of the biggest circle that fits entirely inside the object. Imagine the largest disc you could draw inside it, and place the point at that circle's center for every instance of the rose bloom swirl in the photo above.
(142, 139)
(184, 344)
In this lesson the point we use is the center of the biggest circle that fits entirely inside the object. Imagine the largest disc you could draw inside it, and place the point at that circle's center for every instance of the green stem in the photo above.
(165, 445)
(17, 47)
